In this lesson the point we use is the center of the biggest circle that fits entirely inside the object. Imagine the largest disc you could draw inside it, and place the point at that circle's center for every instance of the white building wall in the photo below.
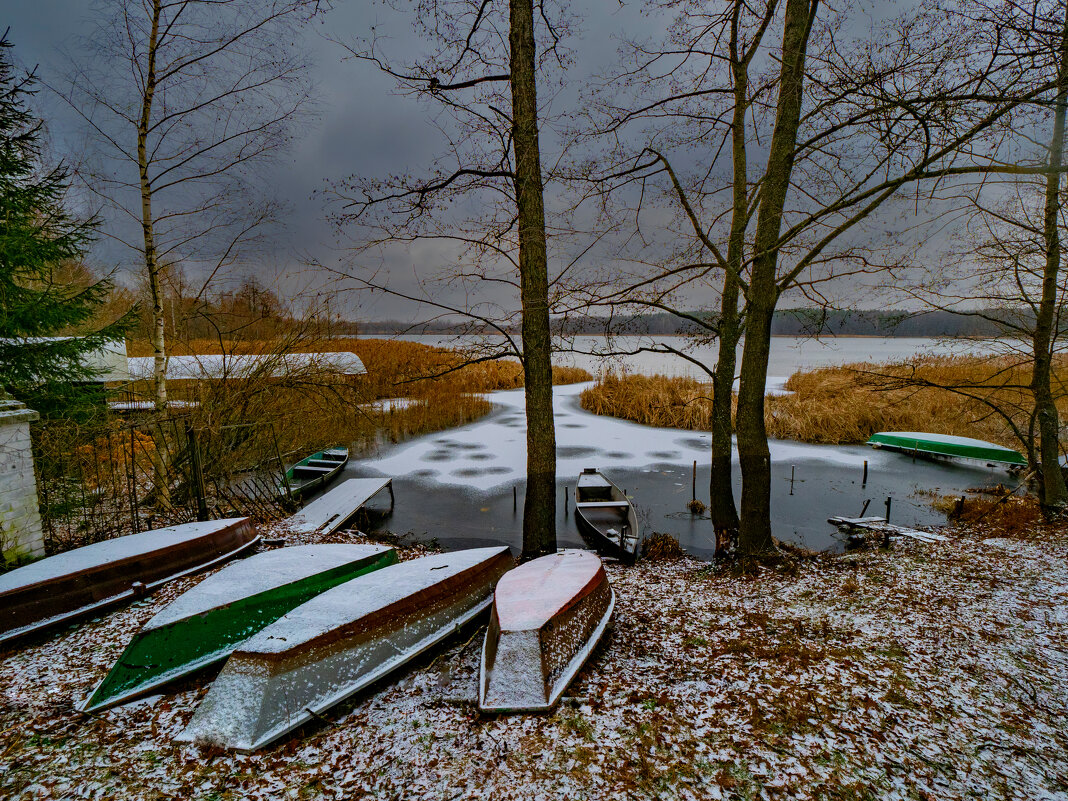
(21, 537)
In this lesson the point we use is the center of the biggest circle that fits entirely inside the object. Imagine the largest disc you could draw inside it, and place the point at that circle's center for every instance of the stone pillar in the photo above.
(21, 537)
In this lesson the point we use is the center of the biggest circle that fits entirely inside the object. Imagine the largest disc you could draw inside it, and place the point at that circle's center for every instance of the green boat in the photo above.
(207, 623)
(314, 472)
(918, 443)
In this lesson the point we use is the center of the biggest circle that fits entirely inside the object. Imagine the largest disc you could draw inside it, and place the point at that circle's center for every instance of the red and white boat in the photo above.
(97, 577)
(547, 618)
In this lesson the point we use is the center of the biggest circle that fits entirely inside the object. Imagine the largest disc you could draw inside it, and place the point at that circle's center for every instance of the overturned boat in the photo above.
(340, 642)
(919, 443)
(547, 618)
(207, 623)
(96, 577)
(606, 516)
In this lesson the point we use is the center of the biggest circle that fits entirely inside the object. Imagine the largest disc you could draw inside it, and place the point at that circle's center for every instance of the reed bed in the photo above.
(652, 400)
(312, 408)
(846, 405)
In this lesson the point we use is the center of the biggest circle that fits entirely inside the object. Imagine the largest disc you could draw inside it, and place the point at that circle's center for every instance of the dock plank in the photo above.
(879, 525)
(330, 512)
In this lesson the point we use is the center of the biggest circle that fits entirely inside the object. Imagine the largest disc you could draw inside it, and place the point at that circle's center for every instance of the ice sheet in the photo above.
(491, 453)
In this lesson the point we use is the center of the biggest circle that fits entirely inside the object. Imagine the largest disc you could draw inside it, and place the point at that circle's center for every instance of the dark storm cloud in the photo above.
(362, 128)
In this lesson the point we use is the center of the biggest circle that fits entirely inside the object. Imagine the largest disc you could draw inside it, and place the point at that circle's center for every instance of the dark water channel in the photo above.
(461, 518)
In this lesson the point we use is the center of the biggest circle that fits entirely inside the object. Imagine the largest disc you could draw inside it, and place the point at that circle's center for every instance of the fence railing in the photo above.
(118, 475)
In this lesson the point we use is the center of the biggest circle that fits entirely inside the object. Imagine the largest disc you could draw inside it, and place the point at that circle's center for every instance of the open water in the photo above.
(464, 487)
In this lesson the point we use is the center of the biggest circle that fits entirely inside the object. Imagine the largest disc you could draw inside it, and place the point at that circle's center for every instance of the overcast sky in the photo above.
(363, 128)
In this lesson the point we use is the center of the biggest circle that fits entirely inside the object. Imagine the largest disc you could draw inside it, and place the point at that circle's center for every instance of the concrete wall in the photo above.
(21, 537)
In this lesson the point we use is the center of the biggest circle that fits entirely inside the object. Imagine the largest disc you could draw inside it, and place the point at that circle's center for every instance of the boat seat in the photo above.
(321, 463)
(305, 469)
(601, 504)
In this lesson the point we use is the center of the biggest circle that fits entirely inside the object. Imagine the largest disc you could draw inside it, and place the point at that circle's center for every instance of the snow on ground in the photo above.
(491, 452)
(927, 672)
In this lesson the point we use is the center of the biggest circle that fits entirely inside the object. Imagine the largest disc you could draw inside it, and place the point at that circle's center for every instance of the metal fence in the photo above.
(120, 474)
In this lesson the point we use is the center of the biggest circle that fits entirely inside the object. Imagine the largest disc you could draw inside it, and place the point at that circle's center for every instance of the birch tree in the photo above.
(185, 102)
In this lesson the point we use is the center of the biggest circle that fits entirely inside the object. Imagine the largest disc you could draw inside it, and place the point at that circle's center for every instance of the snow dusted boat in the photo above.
(944, 445)
(206, 624)
(606, 516)
(89, 580)
(340, 642)
(314, 472)
(547, 617)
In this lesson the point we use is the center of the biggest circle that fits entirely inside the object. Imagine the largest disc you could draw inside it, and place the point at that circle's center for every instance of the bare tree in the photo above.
(185, 101)
(493, 158)
(839, 129)
(1008, 270)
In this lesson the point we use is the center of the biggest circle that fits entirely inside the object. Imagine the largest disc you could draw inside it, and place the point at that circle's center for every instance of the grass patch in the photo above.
(660, 547)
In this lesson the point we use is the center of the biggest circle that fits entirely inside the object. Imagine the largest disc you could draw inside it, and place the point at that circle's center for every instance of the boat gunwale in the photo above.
(364, 625)
(574, 665)
(11, 636)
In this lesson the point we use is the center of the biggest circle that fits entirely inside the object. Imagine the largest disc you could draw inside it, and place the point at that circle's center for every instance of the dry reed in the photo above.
(659, 547)
(652, 400)
(841, 405)
(313, 407)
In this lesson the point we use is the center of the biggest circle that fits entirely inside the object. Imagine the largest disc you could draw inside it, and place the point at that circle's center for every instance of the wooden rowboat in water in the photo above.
(314, 472)
(606, 516)
(96, 577)
(206, 624)
(340, 642)
(547, 617)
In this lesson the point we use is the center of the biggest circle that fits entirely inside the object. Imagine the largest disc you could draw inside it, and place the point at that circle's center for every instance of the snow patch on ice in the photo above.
(491, 453)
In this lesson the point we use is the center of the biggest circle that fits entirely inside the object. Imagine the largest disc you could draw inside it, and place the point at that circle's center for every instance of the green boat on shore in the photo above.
(314, 472)
(945, 445)
(207, 623)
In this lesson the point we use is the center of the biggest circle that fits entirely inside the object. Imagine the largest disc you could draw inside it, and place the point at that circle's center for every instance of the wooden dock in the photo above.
(331, 511)
(880, 526)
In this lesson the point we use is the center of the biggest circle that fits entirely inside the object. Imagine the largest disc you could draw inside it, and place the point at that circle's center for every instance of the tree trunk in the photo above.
(160, 480)
(721, 485)
(539, 506)
(1054, 493)
(722, 510)
(159, 370)
(754, 534)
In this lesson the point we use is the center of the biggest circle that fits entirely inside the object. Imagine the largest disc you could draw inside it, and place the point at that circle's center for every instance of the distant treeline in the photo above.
(787, 322)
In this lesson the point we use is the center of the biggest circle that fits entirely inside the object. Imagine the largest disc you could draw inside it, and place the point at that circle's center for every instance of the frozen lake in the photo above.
(788, 354)
(457, 486)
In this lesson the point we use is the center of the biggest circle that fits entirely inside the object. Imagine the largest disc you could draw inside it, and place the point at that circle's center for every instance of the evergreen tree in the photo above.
(37, 237)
